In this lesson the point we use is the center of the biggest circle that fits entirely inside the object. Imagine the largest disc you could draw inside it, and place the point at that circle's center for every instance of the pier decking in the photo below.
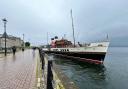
(18, 71)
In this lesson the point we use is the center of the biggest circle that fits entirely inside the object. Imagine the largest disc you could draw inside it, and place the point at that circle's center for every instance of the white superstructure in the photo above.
(92, 47)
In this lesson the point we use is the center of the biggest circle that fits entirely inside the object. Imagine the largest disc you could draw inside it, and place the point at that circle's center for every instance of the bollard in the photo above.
(50, 75)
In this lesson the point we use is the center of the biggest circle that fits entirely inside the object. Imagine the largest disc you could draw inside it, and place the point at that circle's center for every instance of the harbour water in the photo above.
(112, 75)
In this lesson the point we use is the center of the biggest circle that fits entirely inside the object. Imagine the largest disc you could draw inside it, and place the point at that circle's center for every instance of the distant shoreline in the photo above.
(118, 46)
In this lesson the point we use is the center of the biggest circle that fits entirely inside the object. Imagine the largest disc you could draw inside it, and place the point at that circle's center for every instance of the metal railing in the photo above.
(53, 77)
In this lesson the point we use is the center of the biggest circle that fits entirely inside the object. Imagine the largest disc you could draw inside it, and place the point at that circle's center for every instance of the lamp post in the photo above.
(5, 22)
(23, 43)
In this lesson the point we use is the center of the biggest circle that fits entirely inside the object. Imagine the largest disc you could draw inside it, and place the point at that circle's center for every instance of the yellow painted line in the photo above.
(38, 79)
(58, 83)
(38, 85)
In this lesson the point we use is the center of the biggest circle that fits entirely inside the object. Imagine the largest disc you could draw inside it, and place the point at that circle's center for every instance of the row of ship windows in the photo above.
(62, 50)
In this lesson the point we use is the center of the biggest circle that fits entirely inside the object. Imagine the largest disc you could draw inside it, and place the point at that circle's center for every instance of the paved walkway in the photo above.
(18, 71)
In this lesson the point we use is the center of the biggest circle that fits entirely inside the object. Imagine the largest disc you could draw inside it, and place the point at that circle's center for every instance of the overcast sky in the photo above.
(93, 19)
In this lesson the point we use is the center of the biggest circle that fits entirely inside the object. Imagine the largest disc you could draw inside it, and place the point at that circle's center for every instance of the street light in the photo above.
(23, 43)
(5, 22)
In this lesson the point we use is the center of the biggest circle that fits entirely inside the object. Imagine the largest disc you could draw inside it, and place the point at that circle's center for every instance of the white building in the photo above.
(10, 41)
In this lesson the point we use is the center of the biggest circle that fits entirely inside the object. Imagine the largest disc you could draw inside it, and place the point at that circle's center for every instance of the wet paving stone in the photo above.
(18, 71)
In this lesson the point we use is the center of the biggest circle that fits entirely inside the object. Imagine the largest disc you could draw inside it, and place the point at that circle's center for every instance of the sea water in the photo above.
(113, 74)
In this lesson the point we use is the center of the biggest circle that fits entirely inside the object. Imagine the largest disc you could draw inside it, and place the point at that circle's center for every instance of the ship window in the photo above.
(100, 45)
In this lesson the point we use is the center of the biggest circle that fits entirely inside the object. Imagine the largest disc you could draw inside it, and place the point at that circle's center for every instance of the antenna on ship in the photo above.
(47, 38)
(73, 28)
(64, 36)
(107, 37)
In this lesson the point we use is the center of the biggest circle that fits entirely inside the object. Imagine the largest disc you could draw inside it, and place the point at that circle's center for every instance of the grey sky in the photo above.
(93, 19)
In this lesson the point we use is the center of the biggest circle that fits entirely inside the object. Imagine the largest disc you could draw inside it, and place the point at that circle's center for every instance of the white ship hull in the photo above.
(94, 52)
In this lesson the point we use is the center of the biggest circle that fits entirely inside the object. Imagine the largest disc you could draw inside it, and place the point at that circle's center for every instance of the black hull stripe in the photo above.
(99, 57)
(81, 59)
(90, 58)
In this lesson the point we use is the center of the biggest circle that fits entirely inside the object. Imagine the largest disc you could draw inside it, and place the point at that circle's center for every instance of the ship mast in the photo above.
(47, 38)
(73, 28)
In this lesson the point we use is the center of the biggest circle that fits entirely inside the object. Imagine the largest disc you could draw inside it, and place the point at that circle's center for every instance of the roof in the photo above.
(5, 35)
(8, 36)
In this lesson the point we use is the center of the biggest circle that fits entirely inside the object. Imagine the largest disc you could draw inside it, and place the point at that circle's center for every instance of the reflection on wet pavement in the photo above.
(18, 71)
